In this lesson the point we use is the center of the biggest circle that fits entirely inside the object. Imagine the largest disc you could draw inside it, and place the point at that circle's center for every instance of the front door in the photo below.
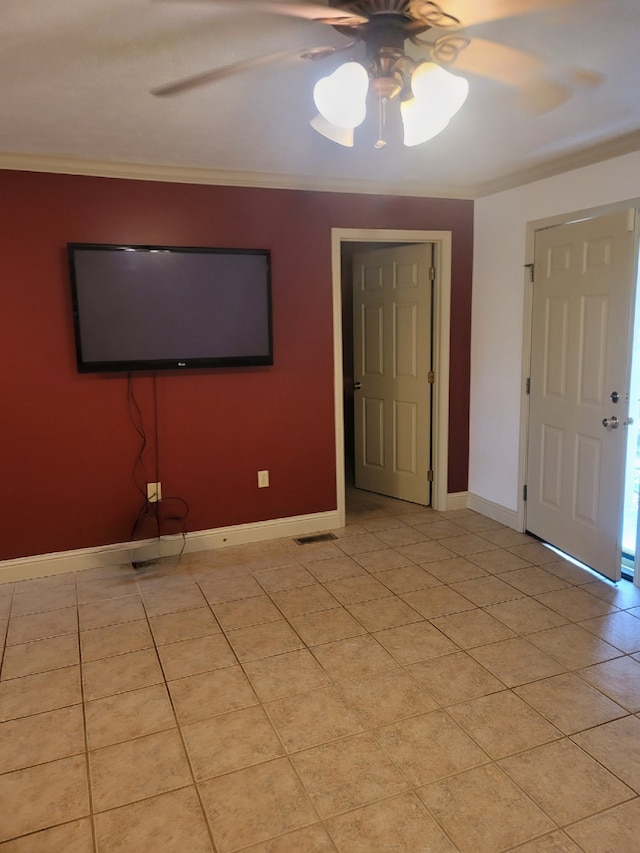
(584, 274)
(392, 362)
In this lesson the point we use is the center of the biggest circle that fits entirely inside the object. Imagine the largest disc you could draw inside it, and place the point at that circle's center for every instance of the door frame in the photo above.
(442, 241)
(532, 228)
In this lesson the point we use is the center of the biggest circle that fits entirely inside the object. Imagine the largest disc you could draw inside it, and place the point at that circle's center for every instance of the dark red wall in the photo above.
(67, 447)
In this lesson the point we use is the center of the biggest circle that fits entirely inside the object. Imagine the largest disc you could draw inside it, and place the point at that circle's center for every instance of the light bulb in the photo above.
(438, 95)
(445, 92)
(341, 98)
(419, 124)
(341, 135)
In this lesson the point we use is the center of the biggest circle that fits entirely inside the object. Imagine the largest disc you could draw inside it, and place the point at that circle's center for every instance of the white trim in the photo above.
(60, 562)
(442, 339)
(626, 143)
(220, 177)
(338, 380)
(457, 500)
(521, 507)
(497, 512)
(442, 335)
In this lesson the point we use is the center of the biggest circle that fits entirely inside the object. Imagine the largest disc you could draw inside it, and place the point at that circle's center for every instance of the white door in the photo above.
(392, 361)
(584, 274)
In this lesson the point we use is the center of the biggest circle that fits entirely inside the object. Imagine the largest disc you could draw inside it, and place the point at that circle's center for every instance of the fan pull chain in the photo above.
(381, 142)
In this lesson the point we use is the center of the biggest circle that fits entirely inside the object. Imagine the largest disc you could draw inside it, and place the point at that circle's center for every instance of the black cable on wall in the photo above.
(160, 511)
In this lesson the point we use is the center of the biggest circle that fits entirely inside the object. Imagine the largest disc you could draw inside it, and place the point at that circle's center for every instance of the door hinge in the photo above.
(531, 268)
(528, 385)
(524, 493)
(430, 476)
(431, 377)
(432, 273)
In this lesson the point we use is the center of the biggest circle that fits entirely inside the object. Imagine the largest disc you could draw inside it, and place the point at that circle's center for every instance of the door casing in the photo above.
(442, 241)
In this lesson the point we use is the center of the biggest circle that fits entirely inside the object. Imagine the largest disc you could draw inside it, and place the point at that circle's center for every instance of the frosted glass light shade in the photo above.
(341, 135)
(341, 98)
(419, 124)
(438, 95)
(445, 92)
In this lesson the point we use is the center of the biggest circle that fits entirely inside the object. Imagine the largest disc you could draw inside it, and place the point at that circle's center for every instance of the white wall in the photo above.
(498, 305)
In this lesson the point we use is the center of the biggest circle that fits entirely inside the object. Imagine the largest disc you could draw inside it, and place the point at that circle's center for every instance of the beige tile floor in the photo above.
(424, 682)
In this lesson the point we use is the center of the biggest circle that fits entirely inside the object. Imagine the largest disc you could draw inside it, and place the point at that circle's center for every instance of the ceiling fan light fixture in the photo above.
(341, 98)
(438, 95)
(419, 123)
(444, 92)
(341, 135)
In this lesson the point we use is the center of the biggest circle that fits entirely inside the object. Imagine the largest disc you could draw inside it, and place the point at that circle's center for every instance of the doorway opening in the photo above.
(387, 338)
(632, 466)
(344, 244)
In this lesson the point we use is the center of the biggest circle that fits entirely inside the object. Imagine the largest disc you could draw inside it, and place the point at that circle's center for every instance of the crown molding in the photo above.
(627, 143)
(587, 156)
(218, 177)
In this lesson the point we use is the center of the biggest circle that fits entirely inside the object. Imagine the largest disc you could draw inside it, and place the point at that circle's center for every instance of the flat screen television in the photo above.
(169, 307)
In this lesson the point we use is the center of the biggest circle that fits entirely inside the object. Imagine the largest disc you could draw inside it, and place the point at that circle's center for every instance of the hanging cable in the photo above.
(159, 510)
(148, 508)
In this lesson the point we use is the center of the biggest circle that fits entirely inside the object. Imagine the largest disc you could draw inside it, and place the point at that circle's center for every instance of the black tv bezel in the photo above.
(172, 364)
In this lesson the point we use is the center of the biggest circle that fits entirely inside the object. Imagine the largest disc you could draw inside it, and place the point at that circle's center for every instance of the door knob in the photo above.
(357, 386)
(615, 396)
(610, 422)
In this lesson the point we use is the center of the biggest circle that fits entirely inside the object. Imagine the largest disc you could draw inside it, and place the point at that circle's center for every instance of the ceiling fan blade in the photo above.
(586, 78)
(537, 93)
(488, 59)
(542, 96)
(216, 74)
(316, 53)
(470, 12)
(309, 11)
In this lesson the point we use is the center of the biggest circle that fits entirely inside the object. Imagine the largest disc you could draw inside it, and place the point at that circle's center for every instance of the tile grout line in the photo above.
(85, 728)
(334, 681)
(187, 755)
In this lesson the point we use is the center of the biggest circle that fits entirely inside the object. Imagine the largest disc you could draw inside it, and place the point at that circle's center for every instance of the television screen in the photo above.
(168, 307)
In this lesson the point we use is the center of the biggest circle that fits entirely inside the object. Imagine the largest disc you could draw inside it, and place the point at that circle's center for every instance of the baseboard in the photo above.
(457, 500)
(43, 565)
(497, 512)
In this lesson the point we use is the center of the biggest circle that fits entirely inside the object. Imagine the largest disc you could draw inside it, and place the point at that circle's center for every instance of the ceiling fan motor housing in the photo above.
(384, 36)
(372, 7)
(389, 68)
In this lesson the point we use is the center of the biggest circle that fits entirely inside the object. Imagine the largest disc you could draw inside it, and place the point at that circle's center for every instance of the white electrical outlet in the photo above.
(154, 492)
(263, 479)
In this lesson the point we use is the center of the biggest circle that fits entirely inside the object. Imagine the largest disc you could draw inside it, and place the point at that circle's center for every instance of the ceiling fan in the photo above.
(428, 93)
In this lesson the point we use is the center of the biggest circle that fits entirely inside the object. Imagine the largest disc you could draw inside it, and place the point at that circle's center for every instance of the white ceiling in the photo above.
(76, 75)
